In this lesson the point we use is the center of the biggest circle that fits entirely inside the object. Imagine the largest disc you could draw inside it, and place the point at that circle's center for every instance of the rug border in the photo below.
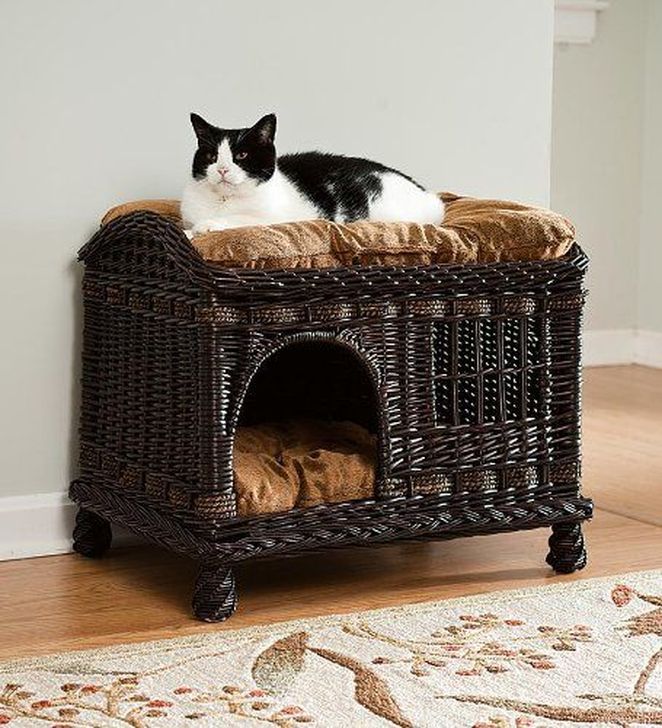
(259, 630)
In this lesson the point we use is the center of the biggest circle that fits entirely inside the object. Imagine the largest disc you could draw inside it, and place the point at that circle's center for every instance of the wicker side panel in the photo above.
(565, 324)
(504, 390)
(140, 425)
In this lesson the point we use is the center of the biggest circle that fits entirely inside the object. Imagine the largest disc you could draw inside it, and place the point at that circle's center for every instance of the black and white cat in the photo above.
(238, 180)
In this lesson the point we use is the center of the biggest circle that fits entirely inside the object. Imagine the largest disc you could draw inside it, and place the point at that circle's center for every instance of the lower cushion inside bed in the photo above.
(473, 231)
(301, 463)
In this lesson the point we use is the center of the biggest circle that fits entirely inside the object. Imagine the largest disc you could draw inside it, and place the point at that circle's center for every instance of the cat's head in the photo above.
(233, 160)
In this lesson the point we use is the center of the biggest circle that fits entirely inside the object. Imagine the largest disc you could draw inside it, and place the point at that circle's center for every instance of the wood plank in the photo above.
(623, 440)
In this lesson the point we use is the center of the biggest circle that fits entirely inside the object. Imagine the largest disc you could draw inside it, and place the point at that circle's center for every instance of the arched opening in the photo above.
(311, 379)
(307, 431)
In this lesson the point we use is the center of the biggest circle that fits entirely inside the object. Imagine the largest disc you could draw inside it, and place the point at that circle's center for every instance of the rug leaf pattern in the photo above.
(370, 691)
(276, 667)
(576, 654)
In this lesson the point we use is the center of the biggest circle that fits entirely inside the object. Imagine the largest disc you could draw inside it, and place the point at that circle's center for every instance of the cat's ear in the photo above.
(203, 129)
(265, 129)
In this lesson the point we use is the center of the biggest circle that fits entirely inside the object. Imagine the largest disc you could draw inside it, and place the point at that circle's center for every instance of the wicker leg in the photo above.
(566, 548)
(215, 594)
(92, 534)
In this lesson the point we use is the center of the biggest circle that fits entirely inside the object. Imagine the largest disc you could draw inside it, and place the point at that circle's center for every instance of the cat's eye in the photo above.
(241, 155)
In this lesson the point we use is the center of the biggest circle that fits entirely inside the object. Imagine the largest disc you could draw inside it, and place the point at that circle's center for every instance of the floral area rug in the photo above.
(572, 654)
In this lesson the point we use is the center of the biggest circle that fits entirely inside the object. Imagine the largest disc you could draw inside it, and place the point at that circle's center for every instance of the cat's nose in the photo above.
(223, 171)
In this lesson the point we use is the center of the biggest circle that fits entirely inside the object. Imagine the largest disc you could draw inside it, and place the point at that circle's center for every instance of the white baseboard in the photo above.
(41, 524)
(648, 348)
(35, 525)
(614, 346)
(609, 347)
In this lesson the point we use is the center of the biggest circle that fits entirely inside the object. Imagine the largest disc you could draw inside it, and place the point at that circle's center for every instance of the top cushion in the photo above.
(473, 231)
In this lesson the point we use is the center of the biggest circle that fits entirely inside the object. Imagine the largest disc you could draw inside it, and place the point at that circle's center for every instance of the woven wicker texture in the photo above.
(468, 375)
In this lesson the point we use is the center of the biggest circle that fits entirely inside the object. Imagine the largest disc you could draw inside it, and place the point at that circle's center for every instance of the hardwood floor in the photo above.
(134, 594)
(623, 441)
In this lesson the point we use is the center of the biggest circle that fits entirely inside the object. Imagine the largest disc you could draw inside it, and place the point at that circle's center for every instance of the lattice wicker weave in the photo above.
(469, 375)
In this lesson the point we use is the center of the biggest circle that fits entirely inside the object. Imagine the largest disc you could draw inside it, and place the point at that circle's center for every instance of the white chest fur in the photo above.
(209, 206)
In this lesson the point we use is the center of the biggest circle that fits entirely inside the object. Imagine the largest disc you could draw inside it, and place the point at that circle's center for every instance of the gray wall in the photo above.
(596, 156)
(96, 96)
(607, 161)
(650, 260)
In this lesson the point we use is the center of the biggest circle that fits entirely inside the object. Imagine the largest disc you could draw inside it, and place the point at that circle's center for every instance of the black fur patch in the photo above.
(340, 187)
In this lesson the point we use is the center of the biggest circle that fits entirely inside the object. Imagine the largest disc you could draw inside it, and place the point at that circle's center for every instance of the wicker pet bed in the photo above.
(456, 350)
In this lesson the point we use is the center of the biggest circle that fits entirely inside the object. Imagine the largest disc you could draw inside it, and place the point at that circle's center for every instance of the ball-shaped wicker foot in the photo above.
(215, 594)
(92, 534)
(566, 548)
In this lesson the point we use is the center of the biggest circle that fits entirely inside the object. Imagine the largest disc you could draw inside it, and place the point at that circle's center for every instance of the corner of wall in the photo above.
(649, 301)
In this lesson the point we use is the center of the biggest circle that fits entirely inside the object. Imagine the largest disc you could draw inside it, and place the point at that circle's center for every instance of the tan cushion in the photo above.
(301, 463)
(473, 231)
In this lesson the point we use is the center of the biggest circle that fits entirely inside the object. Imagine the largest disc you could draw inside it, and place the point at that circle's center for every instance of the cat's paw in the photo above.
(209, 226)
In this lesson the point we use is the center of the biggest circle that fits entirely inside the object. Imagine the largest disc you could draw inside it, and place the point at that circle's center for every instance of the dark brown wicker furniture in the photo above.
(470, 376)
